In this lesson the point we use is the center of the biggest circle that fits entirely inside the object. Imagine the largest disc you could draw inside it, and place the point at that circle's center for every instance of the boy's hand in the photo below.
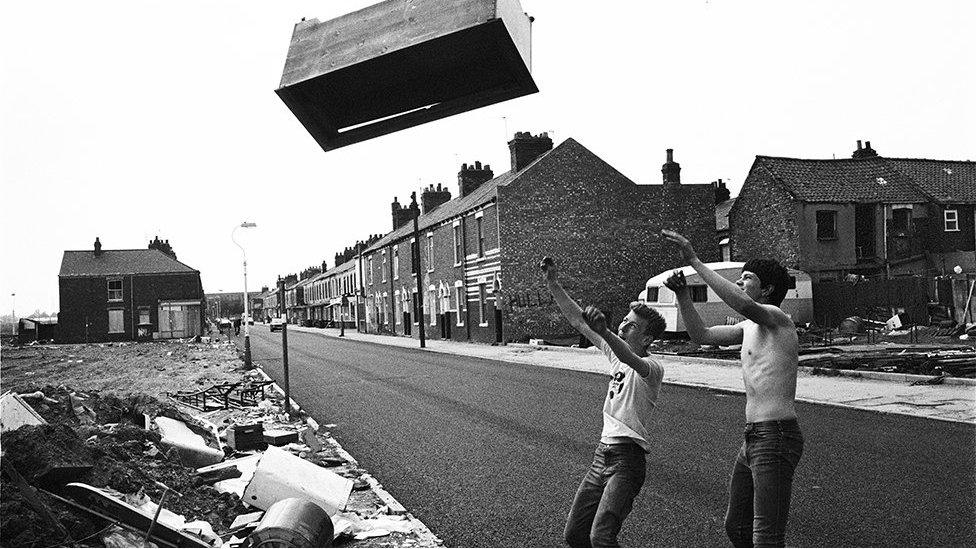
(687, 251)
(594, 319)
(676, 282)
(548, 267)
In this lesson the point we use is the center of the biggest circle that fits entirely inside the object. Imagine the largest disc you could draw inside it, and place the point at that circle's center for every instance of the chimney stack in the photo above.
(163, 246)
(721, 192)
(866, 152)
(401, 215)
(526, 147)
(98, 247)
(472, 176)
(432, 198)
(671, 170)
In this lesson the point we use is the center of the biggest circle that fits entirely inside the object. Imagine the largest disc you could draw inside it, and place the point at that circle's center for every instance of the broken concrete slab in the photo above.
(191, 448)
(15, 413)
(281, 475)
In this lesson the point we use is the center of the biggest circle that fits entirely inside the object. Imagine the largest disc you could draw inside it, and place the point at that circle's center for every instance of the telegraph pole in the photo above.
(284, 347)
(415, 251)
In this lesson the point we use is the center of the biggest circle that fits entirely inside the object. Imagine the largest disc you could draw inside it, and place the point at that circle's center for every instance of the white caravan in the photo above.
(798, 302)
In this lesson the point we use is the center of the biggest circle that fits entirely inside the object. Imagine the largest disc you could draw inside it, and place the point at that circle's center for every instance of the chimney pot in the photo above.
(858, 144)
(670, 155)
(867, 144)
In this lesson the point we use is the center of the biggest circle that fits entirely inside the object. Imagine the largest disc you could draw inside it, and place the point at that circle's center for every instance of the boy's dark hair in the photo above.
(655, 322)
(770, 272)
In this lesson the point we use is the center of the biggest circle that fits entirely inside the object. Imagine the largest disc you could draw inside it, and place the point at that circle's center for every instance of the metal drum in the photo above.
(293, 522)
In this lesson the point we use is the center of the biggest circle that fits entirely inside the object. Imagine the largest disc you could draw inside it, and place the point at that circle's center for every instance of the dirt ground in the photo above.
(149, 368)
(94, 398)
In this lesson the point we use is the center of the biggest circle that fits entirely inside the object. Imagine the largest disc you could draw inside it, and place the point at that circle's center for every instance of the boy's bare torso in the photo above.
(769, 365)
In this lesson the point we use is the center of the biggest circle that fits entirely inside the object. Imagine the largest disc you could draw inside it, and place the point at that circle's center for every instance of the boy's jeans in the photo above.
(606, 495)
(761, 484)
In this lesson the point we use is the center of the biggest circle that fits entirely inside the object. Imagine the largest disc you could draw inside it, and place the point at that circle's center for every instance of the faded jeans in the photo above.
(606, 495)
(762, 482)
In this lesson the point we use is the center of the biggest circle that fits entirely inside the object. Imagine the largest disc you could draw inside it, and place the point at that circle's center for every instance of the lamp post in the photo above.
(13, 313)
(247, 332)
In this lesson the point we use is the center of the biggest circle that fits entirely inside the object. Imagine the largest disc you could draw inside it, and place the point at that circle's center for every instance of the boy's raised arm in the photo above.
(724, 288)
(697, 331)
(570, 309)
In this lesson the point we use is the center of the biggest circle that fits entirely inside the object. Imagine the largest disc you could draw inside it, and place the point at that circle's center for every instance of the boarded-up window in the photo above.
(901, 221)
(826, 225)
(115, 322)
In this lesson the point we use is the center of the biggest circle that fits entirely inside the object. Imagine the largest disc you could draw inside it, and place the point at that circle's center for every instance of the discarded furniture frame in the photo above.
(223, 395)
(396, 64)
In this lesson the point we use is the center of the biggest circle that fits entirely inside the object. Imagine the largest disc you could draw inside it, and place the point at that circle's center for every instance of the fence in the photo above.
(872, 299)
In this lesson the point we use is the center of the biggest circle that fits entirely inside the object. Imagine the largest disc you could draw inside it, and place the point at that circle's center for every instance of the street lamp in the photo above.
(247, 332)
(13, 313)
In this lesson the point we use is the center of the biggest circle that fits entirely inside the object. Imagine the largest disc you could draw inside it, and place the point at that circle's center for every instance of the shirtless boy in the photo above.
(606, 494)
(762, 477)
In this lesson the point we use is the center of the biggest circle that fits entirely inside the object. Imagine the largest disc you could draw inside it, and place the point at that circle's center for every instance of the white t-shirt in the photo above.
(630, 400)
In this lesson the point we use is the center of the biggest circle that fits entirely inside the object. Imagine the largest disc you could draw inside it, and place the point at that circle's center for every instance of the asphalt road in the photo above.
(490, 453)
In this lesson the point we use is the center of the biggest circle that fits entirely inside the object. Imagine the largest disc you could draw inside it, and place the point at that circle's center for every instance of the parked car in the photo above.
(277, 324)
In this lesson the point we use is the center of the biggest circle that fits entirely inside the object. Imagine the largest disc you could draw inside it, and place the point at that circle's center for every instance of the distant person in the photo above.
(606, 494)
(237, 326)
(762, 477)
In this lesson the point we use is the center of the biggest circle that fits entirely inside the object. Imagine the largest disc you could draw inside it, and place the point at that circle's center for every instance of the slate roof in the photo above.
(120, 262)
(877, 179)
(844, 180)
(484, 194)
(722, 214)
(946, 181)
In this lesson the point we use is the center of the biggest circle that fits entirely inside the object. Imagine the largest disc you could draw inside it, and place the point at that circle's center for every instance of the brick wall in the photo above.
(763, 221)
(601, 228)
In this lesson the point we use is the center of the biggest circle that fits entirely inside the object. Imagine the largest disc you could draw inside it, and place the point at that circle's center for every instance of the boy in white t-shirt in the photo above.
(606, 494)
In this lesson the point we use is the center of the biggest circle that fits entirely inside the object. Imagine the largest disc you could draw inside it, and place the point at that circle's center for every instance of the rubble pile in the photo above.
(108, 451)
(91, 468)
(951, 363)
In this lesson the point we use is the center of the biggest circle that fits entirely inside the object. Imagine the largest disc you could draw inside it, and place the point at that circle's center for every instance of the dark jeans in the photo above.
(606, 495)
(762, 482)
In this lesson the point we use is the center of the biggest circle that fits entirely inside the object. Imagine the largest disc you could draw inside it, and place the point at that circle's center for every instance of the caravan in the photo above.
(798, 302)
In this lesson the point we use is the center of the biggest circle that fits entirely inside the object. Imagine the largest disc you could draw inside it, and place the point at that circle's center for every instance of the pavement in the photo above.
(952, 400)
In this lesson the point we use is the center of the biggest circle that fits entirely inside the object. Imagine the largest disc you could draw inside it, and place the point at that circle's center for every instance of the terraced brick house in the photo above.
(478, 277)
(865, 215)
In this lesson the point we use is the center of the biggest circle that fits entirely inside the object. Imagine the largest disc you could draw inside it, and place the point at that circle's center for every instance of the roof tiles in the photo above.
(876, 179)
(120, 262)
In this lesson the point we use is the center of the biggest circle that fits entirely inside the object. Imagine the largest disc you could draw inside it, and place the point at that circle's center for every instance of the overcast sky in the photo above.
(125, 120)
